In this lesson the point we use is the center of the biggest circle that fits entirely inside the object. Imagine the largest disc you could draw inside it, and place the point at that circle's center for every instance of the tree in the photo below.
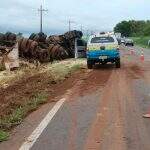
(147, 30)
(124, 28)
(133, 28)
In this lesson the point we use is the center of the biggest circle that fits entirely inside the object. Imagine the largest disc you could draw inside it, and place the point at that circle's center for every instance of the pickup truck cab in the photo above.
(103, 48)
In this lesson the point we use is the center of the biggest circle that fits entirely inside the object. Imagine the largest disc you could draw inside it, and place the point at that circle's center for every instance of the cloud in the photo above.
(22, 15)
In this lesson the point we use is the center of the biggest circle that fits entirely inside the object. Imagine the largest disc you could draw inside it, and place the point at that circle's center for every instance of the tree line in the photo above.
(133, 28)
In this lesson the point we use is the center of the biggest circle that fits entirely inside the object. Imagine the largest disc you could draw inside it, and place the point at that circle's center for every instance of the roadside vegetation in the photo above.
(141, 41)
(133, 28)
(139, 31)
(17, 108)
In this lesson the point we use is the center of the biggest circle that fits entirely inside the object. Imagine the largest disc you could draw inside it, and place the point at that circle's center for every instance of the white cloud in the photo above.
(22, 15)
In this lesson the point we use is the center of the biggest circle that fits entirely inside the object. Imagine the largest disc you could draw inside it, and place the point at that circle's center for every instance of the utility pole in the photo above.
(70, 22)
(81, 28)
(69, 25)
(76, 48)
(41, 10)
(87, 33)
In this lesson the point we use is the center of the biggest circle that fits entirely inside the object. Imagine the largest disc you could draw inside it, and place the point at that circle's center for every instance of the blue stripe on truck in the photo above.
(97, 53)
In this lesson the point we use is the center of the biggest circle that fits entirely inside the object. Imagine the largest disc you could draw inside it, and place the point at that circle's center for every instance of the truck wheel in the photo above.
(103, 63)
(118, 65)
(89, 64)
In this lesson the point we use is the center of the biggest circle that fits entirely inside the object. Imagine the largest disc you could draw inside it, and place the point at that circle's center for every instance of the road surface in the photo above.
(103, 111)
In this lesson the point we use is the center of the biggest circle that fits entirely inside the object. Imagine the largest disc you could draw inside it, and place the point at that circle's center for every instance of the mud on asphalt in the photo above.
(126, 96)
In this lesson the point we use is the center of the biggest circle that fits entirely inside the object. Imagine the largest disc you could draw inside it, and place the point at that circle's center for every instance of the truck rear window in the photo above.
(102, 40)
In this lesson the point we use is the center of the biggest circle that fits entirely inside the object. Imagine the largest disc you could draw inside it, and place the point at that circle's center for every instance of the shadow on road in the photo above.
(104, 67)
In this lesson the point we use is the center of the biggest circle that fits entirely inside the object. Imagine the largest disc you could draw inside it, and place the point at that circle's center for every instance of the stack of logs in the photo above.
(42, 48)
(8, 39)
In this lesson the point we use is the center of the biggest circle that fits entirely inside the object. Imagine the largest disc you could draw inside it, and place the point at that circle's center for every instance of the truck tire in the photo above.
(117, 63)
(104, 63)
(89, 64)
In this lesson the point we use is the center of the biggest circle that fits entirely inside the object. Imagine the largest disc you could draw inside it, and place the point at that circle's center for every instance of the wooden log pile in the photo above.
(55, 47)
(8, 39)
(67, 41)
(42, 48)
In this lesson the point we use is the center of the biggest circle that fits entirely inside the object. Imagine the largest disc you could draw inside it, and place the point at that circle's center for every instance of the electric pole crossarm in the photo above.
(41, 10)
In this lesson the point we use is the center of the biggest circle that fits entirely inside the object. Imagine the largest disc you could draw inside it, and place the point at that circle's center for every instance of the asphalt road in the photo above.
(103, 111)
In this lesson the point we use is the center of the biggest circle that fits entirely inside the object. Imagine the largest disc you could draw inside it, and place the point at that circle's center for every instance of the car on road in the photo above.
(129, 42)
(119, 41)
(148, 42)
(122, 41)
(103, 48)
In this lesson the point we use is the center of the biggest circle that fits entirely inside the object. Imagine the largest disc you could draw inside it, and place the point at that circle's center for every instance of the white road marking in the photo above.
(40, 128)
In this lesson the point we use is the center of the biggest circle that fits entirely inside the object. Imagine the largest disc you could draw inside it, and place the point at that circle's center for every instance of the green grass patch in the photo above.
(60, 72)
(141, 41)
(76, 67)
(19, 113)
(3, 136)
(2, 67)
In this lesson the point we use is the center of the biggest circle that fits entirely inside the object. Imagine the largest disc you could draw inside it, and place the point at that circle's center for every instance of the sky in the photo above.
(93, 15)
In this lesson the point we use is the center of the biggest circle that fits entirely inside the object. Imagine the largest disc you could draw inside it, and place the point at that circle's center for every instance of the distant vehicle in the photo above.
(118, 35)
(81, 46)
(122, 41)
(148, 42)
(103, 48)
(119, 40)
(129, 42)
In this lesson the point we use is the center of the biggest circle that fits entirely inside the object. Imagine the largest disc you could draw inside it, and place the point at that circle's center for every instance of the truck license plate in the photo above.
(103, 57)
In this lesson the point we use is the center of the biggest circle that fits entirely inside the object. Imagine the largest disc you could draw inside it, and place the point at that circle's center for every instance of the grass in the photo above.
(19, 113)
(60, 72)
(2, 68)
(59, 67)
(3, 136)
(142, 41)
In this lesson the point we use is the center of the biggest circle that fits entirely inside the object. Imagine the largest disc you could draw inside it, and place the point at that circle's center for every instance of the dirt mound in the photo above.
(27, 87)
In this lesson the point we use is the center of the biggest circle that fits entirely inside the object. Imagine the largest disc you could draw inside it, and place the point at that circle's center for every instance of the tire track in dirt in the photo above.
(92, 81)
(134, 128)
(107, 128)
